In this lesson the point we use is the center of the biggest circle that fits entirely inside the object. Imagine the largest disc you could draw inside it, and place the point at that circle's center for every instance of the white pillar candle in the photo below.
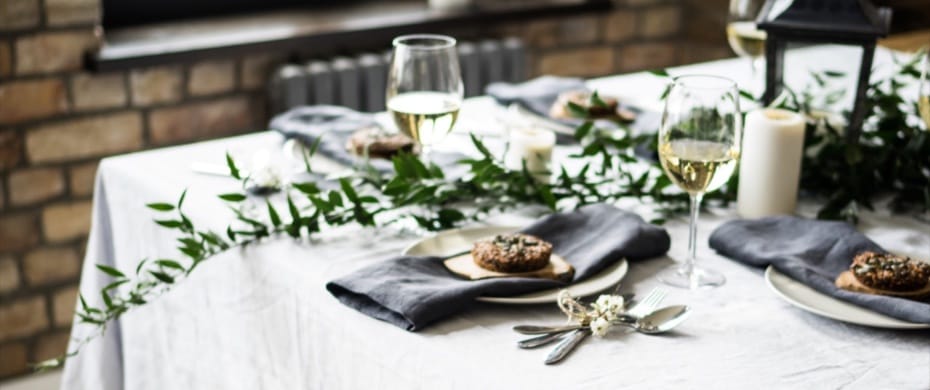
(770, 163)
(531, 145)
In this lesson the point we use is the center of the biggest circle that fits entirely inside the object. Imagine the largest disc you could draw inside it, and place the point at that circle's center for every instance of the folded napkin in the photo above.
(813, 252)
(414, 291)
(538, 95)
(335, 125)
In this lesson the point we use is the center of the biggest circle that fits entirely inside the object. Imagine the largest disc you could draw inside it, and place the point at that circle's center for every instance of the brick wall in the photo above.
(57, 121)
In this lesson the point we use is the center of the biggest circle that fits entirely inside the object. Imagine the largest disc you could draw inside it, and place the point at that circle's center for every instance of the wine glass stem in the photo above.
(692, 233)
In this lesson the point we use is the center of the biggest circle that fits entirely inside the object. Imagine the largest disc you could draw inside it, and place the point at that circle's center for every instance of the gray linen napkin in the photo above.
(412, 292)
(335, 125)
(813, 252)
(538, 95)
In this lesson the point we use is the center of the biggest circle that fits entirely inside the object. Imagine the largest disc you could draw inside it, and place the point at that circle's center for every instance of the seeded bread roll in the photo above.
(512, 253)
(886, 274)
(379, 143)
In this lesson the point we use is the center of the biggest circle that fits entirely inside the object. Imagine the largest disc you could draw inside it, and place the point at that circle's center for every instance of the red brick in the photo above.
(22, 317)
(49, 265)
(53, 51)
(9, 274)
(578, 62)
(82, 179)
(619, 26)
(18, 14)
(85, 137)
(15, 360)
(51, 346)
(72, 12)
(35, 185)
(201, 120)
(31, 99)
(63, 304)
(256, 70)
(155, 85)
(6, 60)
(97, 91)
(574, 30)
(641, 56)
(659, 21)
(18, 231)
(11, 146)
(211, 77)
(66, 221)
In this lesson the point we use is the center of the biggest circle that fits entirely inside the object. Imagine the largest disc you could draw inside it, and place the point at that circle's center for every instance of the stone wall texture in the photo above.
(57, 120)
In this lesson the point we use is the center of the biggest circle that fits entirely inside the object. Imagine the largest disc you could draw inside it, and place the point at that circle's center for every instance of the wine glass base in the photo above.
(691, 277)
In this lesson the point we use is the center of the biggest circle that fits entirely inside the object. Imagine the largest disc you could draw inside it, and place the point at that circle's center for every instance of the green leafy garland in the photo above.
(421, 192)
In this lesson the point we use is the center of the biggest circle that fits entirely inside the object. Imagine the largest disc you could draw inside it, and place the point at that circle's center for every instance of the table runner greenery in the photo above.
(891, 158)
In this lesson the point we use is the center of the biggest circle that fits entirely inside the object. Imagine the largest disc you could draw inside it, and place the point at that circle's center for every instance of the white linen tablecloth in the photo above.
(260, 318)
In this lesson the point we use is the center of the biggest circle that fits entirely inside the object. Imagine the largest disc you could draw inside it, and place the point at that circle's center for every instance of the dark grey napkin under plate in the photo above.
(414, 291)
(812, 252)
(335, 125)
(539, 94)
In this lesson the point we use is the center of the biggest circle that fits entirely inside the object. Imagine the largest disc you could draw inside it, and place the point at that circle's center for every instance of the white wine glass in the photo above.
(699, 147)
(424, 88)
(746, 40)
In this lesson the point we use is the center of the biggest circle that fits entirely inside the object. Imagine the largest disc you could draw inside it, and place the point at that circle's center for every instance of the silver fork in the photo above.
(571, 341)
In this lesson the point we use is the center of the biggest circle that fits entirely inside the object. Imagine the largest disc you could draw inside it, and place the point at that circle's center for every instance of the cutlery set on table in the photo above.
(643, 317)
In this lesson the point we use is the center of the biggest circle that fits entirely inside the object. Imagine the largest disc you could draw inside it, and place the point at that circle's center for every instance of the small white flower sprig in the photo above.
(598, 316)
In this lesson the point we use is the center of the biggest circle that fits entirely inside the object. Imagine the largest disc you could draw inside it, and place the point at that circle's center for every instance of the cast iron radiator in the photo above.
(358, 82)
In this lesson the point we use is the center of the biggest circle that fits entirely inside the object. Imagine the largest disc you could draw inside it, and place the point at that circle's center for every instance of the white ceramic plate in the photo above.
(806, 298)
(455, 241)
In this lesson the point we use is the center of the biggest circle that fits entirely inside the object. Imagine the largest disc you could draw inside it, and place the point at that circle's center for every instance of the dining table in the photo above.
(260, 317)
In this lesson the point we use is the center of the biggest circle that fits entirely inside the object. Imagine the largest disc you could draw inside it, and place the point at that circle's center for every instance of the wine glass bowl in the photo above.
(699, 147)
(424, 88)
(746, 40)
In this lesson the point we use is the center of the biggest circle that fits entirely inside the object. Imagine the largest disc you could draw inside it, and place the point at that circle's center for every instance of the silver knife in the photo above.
(568, 345)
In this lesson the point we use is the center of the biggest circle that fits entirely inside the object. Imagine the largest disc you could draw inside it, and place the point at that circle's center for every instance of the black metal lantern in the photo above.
(849, 22)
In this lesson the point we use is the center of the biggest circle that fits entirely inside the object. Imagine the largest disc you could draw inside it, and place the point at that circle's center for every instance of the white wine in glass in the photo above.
(699, 147)
(744, 37)
(424, 88)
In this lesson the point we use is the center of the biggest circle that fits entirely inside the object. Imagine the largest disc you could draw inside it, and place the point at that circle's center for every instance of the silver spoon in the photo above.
(659, 321)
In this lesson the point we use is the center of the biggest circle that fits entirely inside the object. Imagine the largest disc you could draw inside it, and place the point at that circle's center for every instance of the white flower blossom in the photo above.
(608, 305)
(599, 326)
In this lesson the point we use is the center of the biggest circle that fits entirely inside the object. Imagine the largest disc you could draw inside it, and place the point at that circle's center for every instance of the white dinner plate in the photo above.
(454, 241)
(806, 298)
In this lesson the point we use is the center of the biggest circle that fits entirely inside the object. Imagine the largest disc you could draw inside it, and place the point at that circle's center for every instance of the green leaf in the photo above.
(232, 197)
(160, 206)
(162, 276)
(295, 218)
(83, 302)
(480, 146)
(273, 214)
(115, 284)
(170, 264)
(169, 223)
(110, 271)
(140, 265)
(106, 299)
(181, 200)
(307, 188)
(576, 110)
(583, 130)
(546, 193)
(659, 72)
(746, 95)
(233, 171)
(596, 100)
(348, 190)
